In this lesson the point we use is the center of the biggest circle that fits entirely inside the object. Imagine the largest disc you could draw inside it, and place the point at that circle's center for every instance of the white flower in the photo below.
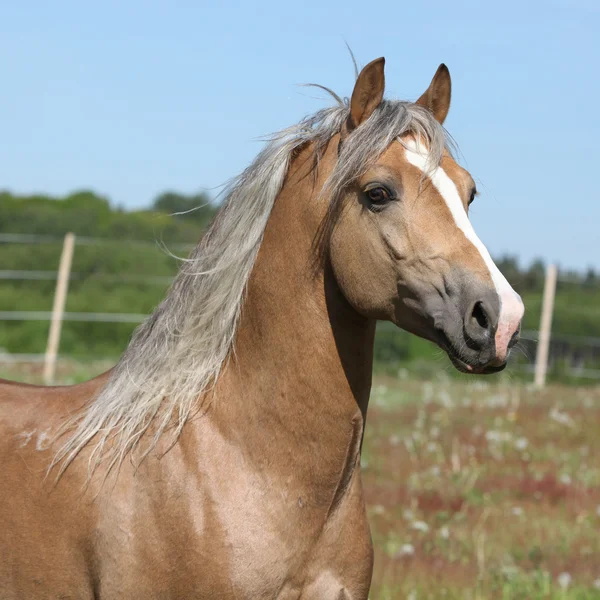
(564, 580)
(517, 511)
(446, 399)
(444, 532)
(427, 392)
(561, 417)
(497, 400)
(498, 437)
(510, 571)
(565, 479)
(521, 443)
(406, 550)
(420, 526)
(431, 447)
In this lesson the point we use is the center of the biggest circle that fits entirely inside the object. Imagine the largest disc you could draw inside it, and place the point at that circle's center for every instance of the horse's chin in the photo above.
(463, 365)
(470, 369)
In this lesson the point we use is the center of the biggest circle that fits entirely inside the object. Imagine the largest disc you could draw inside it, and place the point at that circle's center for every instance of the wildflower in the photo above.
(431, 447)
(498, 437)
(561, 417)
(521, 443)
(444, 532)
(517, 511)
(565, 479)
(420, 526)
(427, 392)
(406, 550)
(564, 580)
(446, 399)
(510, 571)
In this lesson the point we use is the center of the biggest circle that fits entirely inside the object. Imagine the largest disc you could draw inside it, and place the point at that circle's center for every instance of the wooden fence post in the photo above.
(58, 309)
(541, 359)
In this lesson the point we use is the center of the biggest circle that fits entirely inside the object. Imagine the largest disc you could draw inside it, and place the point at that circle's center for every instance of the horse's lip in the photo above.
(460, 364)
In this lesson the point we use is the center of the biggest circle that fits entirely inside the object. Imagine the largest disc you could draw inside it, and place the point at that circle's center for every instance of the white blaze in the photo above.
(511, 306)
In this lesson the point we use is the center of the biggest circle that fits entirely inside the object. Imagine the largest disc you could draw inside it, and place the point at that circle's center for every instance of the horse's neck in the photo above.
(303, 356)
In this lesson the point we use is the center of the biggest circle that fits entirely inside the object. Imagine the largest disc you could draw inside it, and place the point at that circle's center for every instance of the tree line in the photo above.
(125, 277)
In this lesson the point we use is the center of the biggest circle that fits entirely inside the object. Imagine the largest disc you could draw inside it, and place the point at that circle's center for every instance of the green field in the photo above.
(475, 489)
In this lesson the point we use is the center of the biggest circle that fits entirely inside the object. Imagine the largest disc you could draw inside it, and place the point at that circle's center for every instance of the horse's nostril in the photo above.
(514, 339)
(480, 323)
(480, 316)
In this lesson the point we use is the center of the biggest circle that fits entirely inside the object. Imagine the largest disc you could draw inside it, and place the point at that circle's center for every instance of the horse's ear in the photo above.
(437, 96)
(367, 94)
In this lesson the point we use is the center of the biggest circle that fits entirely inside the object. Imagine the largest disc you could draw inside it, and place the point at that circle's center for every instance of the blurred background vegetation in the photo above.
(123, 263)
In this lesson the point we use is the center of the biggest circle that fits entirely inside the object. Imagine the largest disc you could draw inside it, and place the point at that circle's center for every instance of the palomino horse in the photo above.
(220, 457)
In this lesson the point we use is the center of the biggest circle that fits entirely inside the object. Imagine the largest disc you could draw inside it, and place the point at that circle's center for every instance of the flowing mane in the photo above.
(176, 355)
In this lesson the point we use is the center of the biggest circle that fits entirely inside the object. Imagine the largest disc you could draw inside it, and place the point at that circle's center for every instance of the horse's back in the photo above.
(23, 402)
(31, 415)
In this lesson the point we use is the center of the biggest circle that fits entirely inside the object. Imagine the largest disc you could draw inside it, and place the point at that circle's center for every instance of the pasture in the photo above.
(476, 489)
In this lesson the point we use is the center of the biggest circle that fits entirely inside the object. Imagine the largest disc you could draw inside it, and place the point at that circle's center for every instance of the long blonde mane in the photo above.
(176, 355)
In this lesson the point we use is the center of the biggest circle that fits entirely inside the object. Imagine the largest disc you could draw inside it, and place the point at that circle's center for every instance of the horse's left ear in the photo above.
(437, 96)
(367, 94)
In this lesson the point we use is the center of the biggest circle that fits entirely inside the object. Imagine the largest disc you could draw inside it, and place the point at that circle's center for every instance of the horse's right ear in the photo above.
(436, 97)
(367, 94)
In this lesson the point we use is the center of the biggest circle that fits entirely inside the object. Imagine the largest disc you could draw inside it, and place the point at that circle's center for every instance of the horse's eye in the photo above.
(472, 197)
(378, 195)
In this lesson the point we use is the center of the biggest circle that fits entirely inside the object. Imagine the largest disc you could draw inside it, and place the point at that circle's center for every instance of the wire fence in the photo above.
(578, 356)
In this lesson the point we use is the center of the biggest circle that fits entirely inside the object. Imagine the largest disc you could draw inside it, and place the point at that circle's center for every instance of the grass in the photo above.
(476, 489)
(480, 490)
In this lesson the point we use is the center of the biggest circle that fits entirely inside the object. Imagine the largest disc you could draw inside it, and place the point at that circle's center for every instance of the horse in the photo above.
(220, 457)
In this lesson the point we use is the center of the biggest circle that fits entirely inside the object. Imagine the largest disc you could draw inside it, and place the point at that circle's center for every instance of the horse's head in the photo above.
(403, 248)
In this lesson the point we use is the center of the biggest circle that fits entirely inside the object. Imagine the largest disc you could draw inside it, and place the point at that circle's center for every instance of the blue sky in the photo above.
(131, 98)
